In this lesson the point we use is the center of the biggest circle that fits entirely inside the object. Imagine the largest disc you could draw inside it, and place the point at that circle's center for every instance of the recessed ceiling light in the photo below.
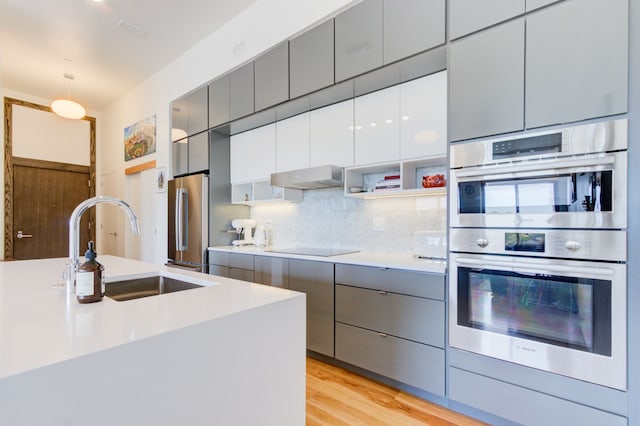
(97, 1)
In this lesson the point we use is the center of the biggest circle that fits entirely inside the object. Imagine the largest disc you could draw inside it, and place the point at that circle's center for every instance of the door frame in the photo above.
(8, 166)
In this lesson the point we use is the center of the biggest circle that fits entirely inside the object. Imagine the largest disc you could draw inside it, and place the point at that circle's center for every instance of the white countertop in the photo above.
(376, 259)
(41, 325)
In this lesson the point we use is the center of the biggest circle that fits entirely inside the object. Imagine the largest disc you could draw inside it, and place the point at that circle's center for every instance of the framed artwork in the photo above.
(161, 179)
(140, 138)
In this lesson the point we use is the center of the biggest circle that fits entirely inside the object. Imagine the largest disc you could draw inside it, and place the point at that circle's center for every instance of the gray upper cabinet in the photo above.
(311, 60)
(486, 84)
(198, 152)
(219, 101)
(180, 157)
(577, 74)
(467, 16)
(272, 77)
(241, 88)
(198, 110)
(358, 39)
(412, 26)
(179, 119)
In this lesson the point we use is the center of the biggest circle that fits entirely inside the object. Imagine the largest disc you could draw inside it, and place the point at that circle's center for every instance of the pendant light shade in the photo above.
(66, 107)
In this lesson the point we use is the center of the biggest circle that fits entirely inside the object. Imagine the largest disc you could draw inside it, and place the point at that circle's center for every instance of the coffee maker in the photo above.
(244, 229)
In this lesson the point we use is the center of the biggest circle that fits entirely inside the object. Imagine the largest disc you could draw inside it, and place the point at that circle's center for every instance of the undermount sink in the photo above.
(145, 287)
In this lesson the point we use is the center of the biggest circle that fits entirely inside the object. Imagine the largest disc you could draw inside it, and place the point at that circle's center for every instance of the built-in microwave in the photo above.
(574, 177)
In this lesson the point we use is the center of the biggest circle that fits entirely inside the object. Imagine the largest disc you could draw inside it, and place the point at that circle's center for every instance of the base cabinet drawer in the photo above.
(415, 364)
(241, 274)
(521, 405)
(413, 318)
(414, 283)
(219, 270)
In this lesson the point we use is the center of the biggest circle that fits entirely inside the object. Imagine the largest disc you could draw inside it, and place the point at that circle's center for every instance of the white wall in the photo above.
(261, 26)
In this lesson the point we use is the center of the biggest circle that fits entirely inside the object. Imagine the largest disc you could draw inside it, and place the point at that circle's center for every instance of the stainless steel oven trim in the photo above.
(604, 245)
(617, 219)
(610, 371)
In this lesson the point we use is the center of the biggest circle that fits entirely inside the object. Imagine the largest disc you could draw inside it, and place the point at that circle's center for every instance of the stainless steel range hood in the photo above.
(311, 178)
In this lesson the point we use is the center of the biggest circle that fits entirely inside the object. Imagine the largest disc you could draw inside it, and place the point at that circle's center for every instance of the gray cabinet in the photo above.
(525, 406)
(408, 317)
(198, 104)
(272, 77)
(412, 26)
(311, 60)
(579, 73)
(191, 155)
(315, 279)
(358, 39)
(273, 271)
(180, 157)
(412, 283)
(231, 265)
(179, 119)
(198, 148)
(241, 92)
(219, 101)
(392, 322)
(467, 16)
(421, 366)
(486, 82)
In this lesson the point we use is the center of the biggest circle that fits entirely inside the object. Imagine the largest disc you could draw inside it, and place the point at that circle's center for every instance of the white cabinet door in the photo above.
(292, 143)
(253, 154)
(423, 116)
(331, 130)
(377, 128)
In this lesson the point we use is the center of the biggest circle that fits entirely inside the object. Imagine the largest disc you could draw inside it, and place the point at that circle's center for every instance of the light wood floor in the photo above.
(338, 397)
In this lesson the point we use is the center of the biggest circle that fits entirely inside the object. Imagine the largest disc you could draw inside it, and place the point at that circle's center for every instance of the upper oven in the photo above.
(565, 178)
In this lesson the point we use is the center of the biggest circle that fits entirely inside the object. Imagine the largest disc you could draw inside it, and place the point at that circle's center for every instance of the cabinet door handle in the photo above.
(382, 334)
(382, 293)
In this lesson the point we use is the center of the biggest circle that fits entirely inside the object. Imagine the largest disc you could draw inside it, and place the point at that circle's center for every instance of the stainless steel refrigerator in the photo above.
(188, 222)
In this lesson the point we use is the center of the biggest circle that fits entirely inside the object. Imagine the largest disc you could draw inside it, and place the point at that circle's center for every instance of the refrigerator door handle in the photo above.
(182, 213)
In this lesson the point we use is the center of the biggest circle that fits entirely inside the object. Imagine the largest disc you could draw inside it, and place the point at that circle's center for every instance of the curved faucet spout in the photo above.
(74, 229)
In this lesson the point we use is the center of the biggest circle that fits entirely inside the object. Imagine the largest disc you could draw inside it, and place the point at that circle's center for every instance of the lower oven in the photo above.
(530, 298)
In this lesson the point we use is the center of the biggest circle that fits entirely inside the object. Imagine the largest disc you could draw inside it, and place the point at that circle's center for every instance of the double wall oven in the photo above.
(539, 248)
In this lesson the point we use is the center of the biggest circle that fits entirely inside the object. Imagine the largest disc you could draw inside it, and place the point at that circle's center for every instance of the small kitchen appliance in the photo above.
(244, 229)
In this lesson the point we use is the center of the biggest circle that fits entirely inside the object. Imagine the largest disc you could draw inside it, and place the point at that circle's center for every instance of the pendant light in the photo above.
(66, 107)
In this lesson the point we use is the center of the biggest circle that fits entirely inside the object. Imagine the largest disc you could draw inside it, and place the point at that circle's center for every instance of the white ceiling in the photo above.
(109, 47)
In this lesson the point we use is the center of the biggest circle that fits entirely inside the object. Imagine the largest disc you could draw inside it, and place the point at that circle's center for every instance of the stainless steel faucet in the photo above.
(74, 231)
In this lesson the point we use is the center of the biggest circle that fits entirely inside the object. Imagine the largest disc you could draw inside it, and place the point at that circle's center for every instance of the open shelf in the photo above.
(410, 178)
(261, 192)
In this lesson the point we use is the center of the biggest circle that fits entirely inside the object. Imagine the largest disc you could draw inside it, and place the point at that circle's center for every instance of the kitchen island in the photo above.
(229, 352)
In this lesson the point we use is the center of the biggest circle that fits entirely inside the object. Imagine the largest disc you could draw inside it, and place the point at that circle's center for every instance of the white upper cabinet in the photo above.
(423, 117)
(331, 135)
(377, 128)
(253, 154)
(292, 143)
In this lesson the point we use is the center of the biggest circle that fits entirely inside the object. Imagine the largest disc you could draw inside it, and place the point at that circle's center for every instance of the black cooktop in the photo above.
(313, 251)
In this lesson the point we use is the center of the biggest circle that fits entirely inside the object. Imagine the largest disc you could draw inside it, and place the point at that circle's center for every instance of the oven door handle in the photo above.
(532, 268)
(542, 165)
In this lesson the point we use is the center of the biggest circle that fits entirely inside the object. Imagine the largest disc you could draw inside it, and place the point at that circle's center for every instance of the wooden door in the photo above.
(44, 195)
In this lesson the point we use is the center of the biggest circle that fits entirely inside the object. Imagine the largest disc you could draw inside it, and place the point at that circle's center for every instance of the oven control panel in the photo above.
(566, 244)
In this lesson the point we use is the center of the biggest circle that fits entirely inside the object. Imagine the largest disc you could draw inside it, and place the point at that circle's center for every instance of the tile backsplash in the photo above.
(326, 218)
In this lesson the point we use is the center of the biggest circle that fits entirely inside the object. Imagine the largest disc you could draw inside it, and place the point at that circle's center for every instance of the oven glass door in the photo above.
(558, 310)
(570, 192)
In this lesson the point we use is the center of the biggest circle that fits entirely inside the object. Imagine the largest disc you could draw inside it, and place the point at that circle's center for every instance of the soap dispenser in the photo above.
(90, 278)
